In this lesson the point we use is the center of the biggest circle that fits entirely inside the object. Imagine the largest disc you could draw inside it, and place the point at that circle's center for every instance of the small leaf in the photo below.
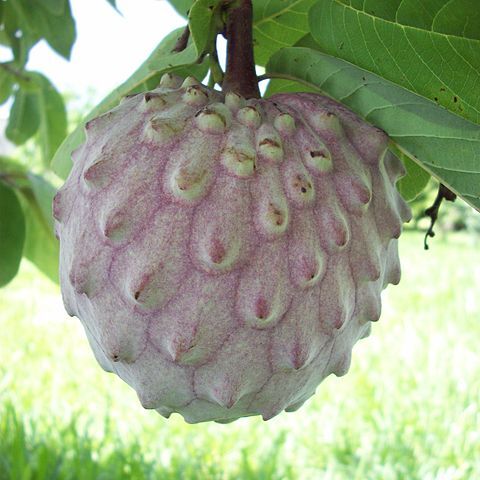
(24, 118)
(446, 145)
(201, 21)
(160, 61)
(12, 234)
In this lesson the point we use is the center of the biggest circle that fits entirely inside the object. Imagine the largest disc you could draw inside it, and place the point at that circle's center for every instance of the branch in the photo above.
(432, 212)
(19, 75)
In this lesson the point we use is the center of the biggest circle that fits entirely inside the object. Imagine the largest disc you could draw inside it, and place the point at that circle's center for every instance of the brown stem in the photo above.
(21, 76)
(240, 76)
(432, 212)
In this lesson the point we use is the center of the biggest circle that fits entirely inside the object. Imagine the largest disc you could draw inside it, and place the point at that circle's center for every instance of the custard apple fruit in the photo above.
(223, 254)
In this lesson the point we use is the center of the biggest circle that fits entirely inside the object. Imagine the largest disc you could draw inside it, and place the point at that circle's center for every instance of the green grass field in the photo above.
(408, 409)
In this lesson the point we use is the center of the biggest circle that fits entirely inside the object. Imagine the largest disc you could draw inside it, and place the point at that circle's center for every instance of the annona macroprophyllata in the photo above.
(223, 254)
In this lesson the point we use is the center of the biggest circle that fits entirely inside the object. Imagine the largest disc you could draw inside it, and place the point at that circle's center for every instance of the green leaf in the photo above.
(38, 22)
(16, 20)
(53, 117)
(431, 48)
(59, 30)
(113, 3)
(41, 247)
(182, 6)
(13, 172)
(414, 181)
(35, 194)
(161, 60)
(6, 86)
(44, 192)
(201, 21)
(55, 7)
(12, 234)
(24, 118)
(284, 86)
(20, 13)
(445, 145)
(278, 24)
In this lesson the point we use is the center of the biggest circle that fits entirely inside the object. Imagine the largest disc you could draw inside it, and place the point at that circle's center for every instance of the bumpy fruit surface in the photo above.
(223, 254)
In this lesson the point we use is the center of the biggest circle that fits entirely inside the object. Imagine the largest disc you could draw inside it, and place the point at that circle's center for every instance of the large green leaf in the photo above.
(278, 24)
(24, 118)
(444, 144)
(160, 61)
(35, 194)
(41, 247)
(12, 234)
(53, 117)
(430, 47)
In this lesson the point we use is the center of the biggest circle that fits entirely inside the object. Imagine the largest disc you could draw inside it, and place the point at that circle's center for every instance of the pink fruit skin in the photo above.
(225, 255)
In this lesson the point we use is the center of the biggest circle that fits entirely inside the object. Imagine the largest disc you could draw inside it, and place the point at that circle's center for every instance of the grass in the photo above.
(408, 409)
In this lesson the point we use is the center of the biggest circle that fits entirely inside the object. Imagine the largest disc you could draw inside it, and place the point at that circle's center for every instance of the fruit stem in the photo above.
(240, 76)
